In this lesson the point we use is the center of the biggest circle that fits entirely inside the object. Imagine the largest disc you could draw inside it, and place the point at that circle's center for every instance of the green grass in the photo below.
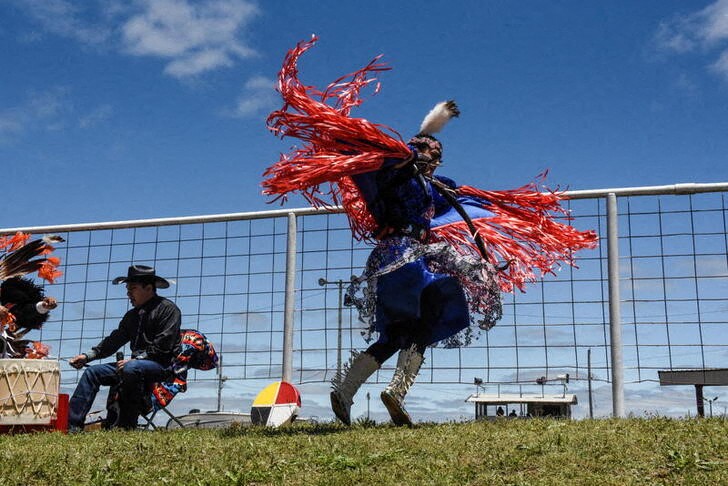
(599, 452)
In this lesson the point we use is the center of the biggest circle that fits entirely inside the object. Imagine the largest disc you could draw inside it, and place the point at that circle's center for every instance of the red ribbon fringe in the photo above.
(524, 232)
(335, 145)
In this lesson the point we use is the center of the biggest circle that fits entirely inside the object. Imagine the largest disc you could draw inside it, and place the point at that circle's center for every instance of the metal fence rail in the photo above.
(272, 303)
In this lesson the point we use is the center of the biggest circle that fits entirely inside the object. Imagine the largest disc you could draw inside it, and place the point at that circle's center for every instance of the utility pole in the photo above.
(221, 379)
(589, 378)
(340, 317)
(710, 405)
(368, 397)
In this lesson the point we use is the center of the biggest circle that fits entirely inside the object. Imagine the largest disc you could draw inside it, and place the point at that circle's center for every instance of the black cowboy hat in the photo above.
(138, 273)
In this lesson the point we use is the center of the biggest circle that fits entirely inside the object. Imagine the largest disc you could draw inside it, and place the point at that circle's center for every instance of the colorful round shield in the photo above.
(276, 405)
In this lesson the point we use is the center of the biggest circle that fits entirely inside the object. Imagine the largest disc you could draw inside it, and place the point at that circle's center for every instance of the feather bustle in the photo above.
(20, 257)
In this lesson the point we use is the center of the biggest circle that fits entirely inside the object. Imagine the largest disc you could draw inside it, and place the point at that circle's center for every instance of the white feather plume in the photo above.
(438, 117)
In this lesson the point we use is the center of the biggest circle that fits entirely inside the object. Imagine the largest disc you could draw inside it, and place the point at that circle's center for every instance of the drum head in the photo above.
(277, 404)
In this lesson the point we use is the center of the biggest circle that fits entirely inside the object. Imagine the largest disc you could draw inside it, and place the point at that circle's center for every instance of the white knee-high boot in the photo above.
(346, 384)
(409, 362)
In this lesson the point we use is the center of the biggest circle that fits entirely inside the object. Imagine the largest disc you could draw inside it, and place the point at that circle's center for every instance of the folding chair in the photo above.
(197, 353)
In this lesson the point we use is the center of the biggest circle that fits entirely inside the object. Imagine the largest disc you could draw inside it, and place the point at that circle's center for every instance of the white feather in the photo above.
(438, 117)
(53, 239)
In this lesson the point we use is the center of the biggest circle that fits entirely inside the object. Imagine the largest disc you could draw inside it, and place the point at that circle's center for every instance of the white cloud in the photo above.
(198, 62)
(686, 84)
(48, 104)
(701, 32)
(10, 125)
(701, 29)
(71, 19)
(96, 116)
(260, 83)
(49, 110)
(191, 37)
(258, 96)
(675, 36)
(714, 26)
(195, 37)
(41, 111)
(249, 106)
(721, 65)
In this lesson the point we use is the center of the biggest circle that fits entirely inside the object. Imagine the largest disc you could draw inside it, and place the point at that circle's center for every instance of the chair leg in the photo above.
(163, 409)
(150, 420)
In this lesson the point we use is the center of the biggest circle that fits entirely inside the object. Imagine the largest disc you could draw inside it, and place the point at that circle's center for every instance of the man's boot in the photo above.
(346, 384)
(409, 362)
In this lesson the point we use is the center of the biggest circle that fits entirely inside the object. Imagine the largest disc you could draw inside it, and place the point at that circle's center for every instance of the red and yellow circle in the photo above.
(277, 404)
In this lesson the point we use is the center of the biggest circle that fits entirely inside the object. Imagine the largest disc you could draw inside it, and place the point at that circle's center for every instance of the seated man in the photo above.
(152, 329)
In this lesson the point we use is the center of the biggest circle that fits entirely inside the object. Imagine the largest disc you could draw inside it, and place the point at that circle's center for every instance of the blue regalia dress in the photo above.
(412, 285)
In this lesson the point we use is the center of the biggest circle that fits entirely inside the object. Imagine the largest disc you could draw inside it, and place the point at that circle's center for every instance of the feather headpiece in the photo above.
(20, 257)
(438, 117)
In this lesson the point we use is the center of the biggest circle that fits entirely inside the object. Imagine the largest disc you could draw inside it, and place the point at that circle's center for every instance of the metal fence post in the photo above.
(290, 297)
(339, 338)
(615, 318)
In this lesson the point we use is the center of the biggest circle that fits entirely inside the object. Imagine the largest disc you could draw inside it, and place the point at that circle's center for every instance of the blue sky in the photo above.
(120, 110)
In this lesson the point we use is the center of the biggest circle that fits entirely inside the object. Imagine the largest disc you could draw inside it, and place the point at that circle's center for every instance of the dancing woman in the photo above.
(443, 252)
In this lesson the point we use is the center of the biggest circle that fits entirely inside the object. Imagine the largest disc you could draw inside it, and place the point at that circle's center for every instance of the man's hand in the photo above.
(120, 365)
(79, 361)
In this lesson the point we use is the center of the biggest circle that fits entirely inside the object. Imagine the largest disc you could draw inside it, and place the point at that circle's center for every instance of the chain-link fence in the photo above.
(236, 282)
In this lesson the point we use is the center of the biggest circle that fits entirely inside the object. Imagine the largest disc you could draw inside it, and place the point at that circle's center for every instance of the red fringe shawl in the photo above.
(523, 232)
(336, 146)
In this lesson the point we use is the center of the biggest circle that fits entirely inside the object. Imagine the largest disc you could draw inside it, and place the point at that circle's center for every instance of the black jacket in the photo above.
(153, 331)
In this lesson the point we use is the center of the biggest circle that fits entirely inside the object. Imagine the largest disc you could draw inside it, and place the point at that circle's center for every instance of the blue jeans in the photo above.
(135, 379)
